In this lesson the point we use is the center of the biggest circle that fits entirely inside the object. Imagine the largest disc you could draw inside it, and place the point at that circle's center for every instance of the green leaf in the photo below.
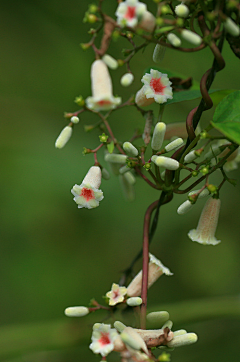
(226, 118)
(110, 147)
(217, 96)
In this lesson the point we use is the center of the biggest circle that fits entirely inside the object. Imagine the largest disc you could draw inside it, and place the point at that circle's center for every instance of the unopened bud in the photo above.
(123, 169)
(166, 162)
(214, 151)
(184, 207)
(158, 53)
(157, 319)
(179, 332)
(231, 27)
(192, 37)
(212, 189)
(158, 136)
(119, 326)
(64, 137)
(204, 170)
(174, 40)
(134, 301)
(183, 340)
(103, 138)
(115, 158)
(168, 324)
(130, 149)
(191, 156)
(76, 311)
(110, 61)
(127, 79)
(129, 178)
(182, 10)
(202, 194)
(74, 119)
(130, 337)
(174, 144)
(105, 174)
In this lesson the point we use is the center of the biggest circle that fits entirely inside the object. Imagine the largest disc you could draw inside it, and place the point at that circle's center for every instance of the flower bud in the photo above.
(127, 79)
(123, 169)
(166, 162)
(110, 61)
(64, 137)
(158, 53)
(157, 318)
(179, 332)
(231, 27)
(191, 156)
(202, 194)
(115, 158)
(129, 178)
(168, 324)
(76, 311)
(174, 40)
(158, 136)
(214, 151)
(127, 187)
(74, 119)
(174, 144)
(184, 208)
(105, 174)
(119, 326)
(147, 22)
(182, 340)
(130, 149)
(191, 37)
(182, 10)
(134, 301)
(130, 337)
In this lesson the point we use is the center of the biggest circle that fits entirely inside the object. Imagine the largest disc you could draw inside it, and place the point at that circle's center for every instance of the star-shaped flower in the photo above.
(116, 294)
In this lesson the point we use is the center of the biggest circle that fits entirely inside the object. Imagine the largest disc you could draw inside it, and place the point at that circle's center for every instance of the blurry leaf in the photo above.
(226, 118)
(186, 96)
(219, 95)
(110, 147)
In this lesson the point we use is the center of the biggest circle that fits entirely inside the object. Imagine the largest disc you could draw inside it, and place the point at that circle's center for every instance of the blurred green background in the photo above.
(54, 255)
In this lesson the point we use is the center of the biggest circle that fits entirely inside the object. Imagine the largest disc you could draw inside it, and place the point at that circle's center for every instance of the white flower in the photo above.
(157, 87)
(103, 339)
(102, 98)
(204, 234)
(116, 294)
(130, 12)
(87, 194)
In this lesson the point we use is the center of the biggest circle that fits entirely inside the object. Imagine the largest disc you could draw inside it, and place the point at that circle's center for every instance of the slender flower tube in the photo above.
(76, 311)
(127, 79)
(110, 61)
(155, 270)
(130, 149)
(102, 98)
(116, 294)
(103, 338)
(165, 162)
(192, 37)
(88, 194)
(174, 40)
(204, 234)
(64, 137)
(158, 53)
(157, 87)
(231, 27)
(158, 136)
(130, 12)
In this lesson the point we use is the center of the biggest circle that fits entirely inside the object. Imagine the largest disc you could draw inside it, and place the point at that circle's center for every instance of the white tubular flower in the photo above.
(74, 119)
(115, 158)
(191, 37)
(147, 22)
(64, 137)
(131, 338)
(158, 53)
(204, 234)
(174, 40)
(130, 12)
(182, 340)
(157, 87)
(158, 136)
(130, 149)
(174, 144)
(116, 294)
(103, 338)
(76, 311)
(165, 162)
(110, 61)
(102, 98)
(134, 301)
(182, 10)
(231, 27)
(87, 194)
(184, 207)
(191, 156)
(127, 79)
(155, 270)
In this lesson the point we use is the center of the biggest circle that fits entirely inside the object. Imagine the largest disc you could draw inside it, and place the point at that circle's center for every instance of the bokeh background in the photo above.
(54, 255)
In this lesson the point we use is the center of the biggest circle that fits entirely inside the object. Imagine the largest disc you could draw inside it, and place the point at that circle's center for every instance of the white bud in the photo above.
(115, 158)
(202, 194)
(129, 177)
(158, 136)
(130, 337)
(110, 61)
(123, 169)
(231, 27)
(127, 188)
(174, 144)
(191, 156)
(119, 326)
(158, 318)
(74, 119)
(182, 340)
(192, 37)
(179, 332)
(134, 301)
(168, 324)
(76, 311)
(166, 162)
(174, 40)
(213, 152)
(127, 79)
(158, 53)
(182, 10)
(130, 149)
(184, 208)
(64, 137)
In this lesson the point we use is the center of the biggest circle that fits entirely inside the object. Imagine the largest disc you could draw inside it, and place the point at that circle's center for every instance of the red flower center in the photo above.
(88, 194)
(103, 102)
(131, 12)
(104, 339)
(156, 85)
(115, 294)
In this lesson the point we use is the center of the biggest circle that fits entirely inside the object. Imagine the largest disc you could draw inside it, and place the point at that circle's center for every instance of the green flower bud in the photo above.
(103, 138)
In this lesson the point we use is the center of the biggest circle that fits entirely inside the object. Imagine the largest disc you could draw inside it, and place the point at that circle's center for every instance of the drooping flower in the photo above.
(102, 97)
(88, 194)
(116, 294)
(204, 234)
(157, 87)
(155, 270)
(103, 338)
(130, 12)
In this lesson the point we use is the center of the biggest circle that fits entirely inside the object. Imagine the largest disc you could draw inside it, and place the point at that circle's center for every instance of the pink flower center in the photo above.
(88, 194)
(115, 294)
(103, 102)
(104, 339)
(156, 85)
(131, 12)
